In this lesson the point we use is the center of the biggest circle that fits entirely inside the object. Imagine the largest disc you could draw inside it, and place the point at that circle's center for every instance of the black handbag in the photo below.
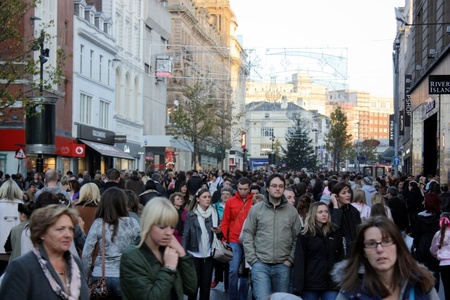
(98, 289)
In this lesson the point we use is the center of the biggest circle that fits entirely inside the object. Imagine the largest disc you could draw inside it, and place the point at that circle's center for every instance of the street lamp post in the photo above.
(272, 159)
(395, 55)
(357, 151)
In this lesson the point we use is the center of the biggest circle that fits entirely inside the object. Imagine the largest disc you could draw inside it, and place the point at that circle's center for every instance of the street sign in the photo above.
(20, 154)
(396, 161)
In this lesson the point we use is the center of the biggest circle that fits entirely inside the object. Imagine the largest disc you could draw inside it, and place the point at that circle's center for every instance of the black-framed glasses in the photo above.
(373, 245)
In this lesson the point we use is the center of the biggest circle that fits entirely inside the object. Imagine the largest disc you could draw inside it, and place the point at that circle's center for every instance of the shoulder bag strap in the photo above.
(243, 206)
(103, 249)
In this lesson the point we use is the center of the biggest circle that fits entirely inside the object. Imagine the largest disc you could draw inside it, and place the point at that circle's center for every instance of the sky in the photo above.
(361, 30)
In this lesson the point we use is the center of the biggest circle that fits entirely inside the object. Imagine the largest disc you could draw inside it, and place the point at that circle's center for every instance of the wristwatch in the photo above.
(170, 270)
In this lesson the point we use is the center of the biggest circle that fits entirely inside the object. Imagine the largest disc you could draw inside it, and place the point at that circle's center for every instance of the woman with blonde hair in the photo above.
(88, 203)
(158, 267)
(319, 247)
(378, 198)
(10, 197)
(359, 202)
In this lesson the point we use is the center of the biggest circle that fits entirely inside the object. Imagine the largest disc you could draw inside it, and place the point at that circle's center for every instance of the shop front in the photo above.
(166, 152)
(101, 153)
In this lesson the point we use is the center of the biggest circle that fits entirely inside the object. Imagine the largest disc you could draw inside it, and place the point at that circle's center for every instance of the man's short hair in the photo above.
(393, 191)
(273, 176)
(244, 181)
(255, 187)
(51, 175)
(113, 174)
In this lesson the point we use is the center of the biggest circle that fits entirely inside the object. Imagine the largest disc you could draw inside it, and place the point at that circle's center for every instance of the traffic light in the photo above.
(272, 159)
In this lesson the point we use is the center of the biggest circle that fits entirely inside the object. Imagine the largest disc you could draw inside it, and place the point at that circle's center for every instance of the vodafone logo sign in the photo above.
(79, 150)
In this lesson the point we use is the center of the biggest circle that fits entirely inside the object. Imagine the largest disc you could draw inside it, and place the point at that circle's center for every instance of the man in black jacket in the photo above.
(194, 183)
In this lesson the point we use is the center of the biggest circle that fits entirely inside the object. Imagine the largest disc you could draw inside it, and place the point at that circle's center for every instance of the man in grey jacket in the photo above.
(269, 238)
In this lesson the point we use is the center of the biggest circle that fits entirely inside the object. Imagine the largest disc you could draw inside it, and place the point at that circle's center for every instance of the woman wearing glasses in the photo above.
(380, 266)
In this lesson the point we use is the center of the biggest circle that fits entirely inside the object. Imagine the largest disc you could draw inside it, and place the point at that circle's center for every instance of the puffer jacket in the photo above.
(315, 257)
(270, 233)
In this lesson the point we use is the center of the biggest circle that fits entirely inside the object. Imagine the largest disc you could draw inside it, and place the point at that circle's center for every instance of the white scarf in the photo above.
(205, 245)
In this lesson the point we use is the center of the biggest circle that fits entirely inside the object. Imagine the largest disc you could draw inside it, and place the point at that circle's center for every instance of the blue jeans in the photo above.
(237, 292)
(268, 279)
(112, 284)
(316, 295)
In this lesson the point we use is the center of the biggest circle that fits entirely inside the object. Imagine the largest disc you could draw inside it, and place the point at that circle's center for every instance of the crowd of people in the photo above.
(294, 234)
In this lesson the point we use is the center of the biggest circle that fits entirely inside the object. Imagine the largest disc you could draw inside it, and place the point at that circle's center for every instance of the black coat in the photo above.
(399, 213)
(148, 195)
(315, 257)
(426, 226)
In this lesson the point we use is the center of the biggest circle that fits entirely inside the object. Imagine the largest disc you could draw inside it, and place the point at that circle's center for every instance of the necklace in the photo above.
(61, 273)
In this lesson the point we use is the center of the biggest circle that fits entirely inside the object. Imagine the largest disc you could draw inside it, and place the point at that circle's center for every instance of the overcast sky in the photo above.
(365, 30)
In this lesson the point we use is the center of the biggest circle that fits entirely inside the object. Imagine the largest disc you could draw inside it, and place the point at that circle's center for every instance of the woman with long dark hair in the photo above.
(344, 215)
(380, 266)
(120, 231)
(200, 228)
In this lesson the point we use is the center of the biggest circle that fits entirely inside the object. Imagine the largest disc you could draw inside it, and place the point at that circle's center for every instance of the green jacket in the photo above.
(143, 277)
(270, 233)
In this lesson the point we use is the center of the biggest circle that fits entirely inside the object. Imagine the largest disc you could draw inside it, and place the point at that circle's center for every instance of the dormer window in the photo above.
(89, 14)
(99, 20)
(79, 7)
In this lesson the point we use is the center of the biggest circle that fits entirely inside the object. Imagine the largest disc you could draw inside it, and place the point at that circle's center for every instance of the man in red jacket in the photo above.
(236, 211)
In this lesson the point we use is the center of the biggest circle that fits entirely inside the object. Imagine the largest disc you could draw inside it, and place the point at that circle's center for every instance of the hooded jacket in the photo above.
(369, 191)
(362, 293)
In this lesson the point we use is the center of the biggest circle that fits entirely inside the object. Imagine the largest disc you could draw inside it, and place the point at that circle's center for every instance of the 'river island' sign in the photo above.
(438, 84)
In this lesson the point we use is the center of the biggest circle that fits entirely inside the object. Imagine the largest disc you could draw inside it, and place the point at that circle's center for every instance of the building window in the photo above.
(147, 68)
(91, 63)
(267, 131)
(81, 58)
(104, 114)
(85, 108)
(100, 68)
(109, 71)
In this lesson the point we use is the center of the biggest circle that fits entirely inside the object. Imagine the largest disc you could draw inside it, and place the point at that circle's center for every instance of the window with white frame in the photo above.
(91, 63)
(81, 58)
(100, 68)
(85, 108)
(104, 114)
(266, 131)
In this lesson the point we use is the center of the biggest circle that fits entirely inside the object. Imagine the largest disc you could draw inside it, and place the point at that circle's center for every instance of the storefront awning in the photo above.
(107, 150)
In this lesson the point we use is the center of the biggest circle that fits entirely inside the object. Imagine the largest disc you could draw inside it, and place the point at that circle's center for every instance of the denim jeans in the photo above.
(268, 279)
(237, 292)
(316, 295)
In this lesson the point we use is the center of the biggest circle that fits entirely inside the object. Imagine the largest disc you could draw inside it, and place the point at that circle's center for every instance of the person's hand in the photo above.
(174, 244)
(216, 230)
(287, 263)
(170, 257)
(333, 200)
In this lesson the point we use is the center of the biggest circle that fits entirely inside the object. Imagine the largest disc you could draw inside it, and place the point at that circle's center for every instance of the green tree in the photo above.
(368, 149)
(299, 153)
(337, 141)
(194, 119)
(18, 66)
(226, 132)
